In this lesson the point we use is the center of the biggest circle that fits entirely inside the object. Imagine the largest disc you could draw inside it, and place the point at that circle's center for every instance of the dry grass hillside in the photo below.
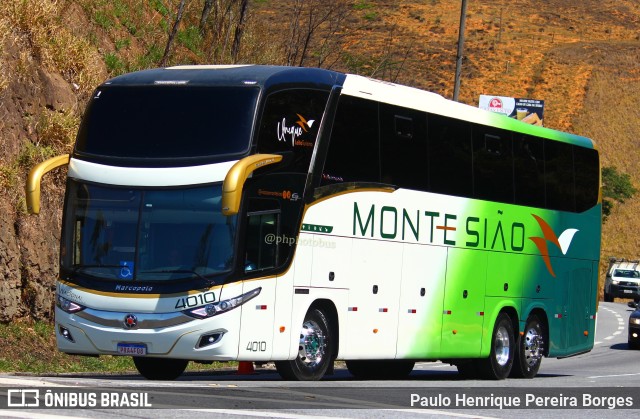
(581, 57)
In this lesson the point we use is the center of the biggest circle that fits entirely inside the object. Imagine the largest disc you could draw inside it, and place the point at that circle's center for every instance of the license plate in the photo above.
(136, 349)
(628, 291)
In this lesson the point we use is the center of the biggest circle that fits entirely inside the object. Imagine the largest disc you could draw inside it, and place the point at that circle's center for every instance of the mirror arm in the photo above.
(35, 176)
(238, 175)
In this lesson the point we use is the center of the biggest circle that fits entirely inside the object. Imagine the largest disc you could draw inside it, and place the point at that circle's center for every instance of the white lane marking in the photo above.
(33, 415)
(617, 375)
(620, 320)
(266, 414)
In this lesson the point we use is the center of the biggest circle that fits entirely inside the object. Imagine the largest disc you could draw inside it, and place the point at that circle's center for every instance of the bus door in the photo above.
(421, 298)
(374, 292)
(464, 298)
(261, 255)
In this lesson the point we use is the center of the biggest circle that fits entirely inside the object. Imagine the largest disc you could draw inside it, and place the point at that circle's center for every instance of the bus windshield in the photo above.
(126, 234)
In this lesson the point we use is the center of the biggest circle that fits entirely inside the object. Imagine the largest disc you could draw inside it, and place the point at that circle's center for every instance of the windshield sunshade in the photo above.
(167, 121)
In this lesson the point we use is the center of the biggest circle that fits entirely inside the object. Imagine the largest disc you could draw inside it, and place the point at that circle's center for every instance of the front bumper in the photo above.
(625, 290)
(94, 332)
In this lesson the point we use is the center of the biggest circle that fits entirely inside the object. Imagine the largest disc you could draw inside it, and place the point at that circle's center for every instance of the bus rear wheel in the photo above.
(160, 368)
(315, 350)
(500, 361)
(530, 349)
(380, 370)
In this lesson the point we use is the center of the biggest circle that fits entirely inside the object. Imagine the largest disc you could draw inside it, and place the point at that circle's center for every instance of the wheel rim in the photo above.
(533, 346)
(313, 345)
(501, 346)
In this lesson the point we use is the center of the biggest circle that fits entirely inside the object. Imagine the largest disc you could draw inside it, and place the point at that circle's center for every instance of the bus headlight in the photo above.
(635, 320)
(68, 306)
(214, 309)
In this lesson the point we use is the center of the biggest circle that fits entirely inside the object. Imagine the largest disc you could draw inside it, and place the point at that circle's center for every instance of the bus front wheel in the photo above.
(160, 368)
(500, 361)
(315, 350)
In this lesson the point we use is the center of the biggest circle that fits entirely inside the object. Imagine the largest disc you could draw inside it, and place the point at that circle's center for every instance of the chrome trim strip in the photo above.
(145, 320)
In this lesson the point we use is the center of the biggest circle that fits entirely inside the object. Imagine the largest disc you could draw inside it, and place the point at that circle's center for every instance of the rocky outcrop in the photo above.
(29, 244)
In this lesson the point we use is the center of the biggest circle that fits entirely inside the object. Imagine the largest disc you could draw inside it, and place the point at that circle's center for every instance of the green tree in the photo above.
(616, 187)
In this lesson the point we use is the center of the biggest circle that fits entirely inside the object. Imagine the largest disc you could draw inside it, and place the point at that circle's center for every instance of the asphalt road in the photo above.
(602, 383)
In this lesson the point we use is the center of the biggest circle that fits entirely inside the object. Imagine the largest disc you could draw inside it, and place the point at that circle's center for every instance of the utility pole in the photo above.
(463, 16)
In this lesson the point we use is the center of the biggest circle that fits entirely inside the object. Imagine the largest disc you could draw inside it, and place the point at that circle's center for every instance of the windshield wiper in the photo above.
(76, 268)
(177, 271)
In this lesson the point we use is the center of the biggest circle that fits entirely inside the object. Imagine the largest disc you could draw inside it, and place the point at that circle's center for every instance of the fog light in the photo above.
(209, 339)
(64, 332)
(635, 335)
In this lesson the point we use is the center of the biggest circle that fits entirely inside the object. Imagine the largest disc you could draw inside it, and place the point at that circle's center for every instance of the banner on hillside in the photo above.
(530, 111)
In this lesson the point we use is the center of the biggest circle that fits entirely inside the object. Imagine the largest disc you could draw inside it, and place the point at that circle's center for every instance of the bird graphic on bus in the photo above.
(303, 123)
(562, 242)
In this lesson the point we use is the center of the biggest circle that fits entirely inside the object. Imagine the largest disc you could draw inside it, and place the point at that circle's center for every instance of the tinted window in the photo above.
(587, 179)
(168, 121)
(353, 154)
(290, 122)
(146, 235)
(403, 138)
(492, 164)
(528, 165)
(262, 226)
(559, 176)
(449, 156)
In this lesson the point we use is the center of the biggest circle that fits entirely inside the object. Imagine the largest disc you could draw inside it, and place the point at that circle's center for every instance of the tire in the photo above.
(607, 297)
(315, 351)
(500, 361)
(380, 370)
(160, 368)
(530, 349)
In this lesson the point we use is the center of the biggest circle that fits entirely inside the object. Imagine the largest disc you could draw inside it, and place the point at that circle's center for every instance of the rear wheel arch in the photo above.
(513, 315)
(544, 320)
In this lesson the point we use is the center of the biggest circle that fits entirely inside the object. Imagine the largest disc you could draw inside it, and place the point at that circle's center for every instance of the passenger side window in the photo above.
(450, 156)
(353, 154)
(559, 176)
(587, 178)
(403, 138)
(529, 169)
(492, 164)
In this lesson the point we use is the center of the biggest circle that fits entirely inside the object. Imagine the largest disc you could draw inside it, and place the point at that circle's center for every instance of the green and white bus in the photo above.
(298, 215)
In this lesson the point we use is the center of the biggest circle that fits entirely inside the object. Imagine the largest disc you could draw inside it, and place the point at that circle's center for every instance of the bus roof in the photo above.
(225, 75)
(410, 97)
